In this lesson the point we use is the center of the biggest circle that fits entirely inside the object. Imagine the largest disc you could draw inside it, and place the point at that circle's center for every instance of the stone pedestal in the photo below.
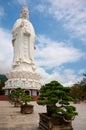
(25, 80)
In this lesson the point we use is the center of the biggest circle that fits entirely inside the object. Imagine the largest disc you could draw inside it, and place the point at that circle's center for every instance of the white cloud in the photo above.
(46, 77)
(40, 8)
(67, 77)
(51, 54)
(5, 51)
(71, 12)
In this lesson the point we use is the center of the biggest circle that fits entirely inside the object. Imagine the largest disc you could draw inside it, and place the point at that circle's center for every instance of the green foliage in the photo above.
(25, 98)
(16, 95)
(78, 91)
(3, 78)
(57, 100)
(19, 95)
(2, 84)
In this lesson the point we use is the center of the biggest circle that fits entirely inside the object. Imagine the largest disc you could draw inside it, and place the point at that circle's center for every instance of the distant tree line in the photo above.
(3, 78)
(78, 91)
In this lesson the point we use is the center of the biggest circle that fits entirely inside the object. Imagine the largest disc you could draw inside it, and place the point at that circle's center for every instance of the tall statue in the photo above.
(23, 74)
(23, 40)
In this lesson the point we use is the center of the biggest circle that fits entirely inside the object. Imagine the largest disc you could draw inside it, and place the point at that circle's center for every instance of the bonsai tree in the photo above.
(57, 101)
(16, 96)
(25, 99)
(20, 98)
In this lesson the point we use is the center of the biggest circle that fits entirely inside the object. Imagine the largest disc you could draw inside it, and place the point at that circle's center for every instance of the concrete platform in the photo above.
(12, 119)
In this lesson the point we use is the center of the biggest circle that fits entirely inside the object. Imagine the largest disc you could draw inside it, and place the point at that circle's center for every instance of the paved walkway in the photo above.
(12, 119)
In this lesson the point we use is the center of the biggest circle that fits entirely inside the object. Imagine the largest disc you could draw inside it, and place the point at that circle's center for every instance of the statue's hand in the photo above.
(22, 24)
(26, 31)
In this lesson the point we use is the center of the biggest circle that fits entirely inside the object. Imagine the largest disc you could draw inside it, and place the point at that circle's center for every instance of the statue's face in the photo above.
(24, 14)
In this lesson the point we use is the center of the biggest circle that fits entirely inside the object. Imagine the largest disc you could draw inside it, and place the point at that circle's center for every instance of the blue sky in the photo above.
(60, 27)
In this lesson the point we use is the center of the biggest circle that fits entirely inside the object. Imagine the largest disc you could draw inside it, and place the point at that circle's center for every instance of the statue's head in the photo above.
(24, 12)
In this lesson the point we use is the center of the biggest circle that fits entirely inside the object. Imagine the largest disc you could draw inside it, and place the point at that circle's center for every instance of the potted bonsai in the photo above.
(25, 107)
(21, 99)
(15, 97)
(59, 113)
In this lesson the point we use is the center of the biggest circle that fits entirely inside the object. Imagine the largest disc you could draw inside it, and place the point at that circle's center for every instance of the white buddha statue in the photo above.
(23, 43)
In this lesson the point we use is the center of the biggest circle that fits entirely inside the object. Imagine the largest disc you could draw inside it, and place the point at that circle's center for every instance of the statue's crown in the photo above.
(25, 7)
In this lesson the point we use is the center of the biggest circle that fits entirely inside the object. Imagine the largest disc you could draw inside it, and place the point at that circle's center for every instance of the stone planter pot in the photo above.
(48, 123)
(27, 109)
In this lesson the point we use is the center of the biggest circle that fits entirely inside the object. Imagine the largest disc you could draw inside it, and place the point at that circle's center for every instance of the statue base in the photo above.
(28, 81)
